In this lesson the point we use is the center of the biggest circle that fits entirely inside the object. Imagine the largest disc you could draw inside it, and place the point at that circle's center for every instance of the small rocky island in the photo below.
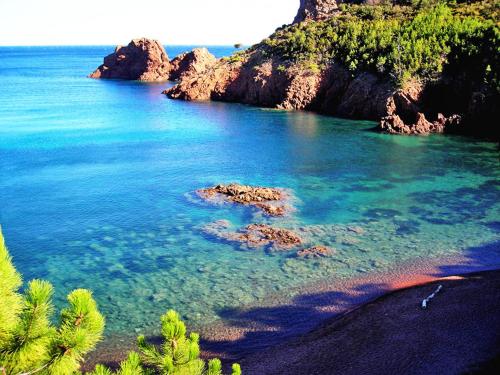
(142, 59)
(271, 201)
(146, 60)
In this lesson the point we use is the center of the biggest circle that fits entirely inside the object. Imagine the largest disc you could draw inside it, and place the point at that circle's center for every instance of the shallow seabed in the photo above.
(97, 180)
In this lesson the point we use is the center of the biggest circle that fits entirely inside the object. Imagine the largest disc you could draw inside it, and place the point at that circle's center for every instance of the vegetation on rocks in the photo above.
(420, 40)
(31, 344)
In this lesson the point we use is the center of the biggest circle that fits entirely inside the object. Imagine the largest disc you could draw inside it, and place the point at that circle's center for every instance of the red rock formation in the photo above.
(316, 9)
(254, 235)
(332, 90)
(271, 201)
(195, 62)
(143, 59)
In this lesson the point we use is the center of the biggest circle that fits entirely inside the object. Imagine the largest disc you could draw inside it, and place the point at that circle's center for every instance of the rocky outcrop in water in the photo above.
(254, 235)
(271, 201)
(142, 59)
(194, 62)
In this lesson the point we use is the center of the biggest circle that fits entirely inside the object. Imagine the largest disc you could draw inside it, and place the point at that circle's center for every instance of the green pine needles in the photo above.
(178, 355)
(29, 343)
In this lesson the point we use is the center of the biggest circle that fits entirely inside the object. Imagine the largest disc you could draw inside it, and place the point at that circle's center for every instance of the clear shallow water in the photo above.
(96, 175)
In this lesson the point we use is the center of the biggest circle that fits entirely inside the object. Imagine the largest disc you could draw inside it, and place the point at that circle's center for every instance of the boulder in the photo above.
(142, 59)
(195, 62)
(316, 10)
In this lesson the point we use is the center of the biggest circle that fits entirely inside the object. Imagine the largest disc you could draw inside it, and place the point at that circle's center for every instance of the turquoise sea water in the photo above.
(96, 182)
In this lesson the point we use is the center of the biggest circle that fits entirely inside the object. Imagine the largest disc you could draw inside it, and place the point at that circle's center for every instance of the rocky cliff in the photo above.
(453, 102)
(316, 9)
(194, 62)
(334, 90)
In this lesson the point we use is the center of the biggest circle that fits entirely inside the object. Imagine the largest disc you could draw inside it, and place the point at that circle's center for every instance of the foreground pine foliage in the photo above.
(178, 355)
(29, 342)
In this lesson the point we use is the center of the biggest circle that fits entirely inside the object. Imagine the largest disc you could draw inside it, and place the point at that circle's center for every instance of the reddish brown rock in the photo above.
(207, 85)
(254, 78)
(270, 200)
(143, 59)
(195, 62)
(317, 251)
(316, 10)
(254, 235)
(393, 124)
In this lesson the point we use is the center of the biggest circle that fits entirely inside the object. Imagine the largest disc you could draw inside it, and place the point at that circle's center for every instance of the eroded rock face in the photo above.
(255, 235)
(142, 59)
(256, 79)
(271, 201)
(195, 62)
(205, 86)
(316, 10)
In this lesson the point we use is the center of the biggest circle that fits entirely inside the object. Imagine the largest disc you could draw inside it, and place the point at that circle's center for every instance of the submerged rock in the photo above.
(254, 235)
(269, 200)
(143, 60)
(317, 251)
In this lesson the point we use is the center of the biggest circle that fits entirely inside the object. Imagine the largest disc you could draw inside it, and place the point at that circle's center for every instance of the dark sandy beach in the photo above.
(458, 333)
(368, 325)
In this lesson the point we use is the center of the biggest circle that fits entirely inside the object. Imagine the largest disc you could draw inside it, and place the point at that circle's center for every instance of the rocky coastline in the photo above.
(442, 107)
(452, 103)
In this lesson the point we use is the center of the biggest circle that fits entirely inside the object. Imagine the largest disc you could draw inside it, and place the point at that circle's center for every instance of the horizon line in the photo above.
(107, 45)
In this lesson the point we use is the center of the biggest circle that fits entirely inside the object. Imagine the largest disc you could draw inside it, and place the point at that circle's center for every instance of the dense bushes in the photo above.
(30, 344)
(403, 42)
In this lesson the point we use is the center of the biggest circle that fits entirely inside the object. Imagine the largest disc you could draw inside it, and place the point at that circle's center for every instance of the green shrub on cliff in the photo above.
(29, 343)
(401, 42)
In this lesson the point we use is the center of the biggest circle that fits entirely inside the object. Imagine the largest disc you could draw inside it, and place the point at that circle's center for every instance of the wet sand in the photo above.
(266, 337)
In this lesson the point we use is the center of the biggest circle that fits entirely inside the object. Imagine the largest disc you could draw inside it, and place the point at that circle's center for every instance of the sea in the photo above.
(98, 181)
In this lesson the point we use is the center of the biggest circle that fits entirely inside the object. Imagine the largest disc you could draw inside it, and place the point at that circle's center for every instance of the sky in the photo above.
(111, 22)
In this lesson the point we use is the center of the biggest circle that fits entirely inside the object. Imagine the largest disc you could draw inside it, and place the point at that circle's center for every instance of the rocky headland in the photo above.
(413, 69)
(289, 70)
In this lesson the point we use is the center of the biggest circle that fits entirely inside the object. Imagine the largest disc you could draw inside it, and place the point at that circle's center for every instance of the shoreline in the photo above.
(257, 328)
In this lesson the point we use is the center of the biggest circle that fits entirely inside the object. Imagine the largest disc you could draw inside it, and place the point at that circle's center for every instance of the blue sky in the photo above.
(69, 22)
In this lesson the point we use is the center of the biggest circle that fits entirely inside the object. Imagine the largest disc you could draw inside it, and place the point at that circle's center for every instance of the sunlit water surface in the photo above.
(96, 179)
